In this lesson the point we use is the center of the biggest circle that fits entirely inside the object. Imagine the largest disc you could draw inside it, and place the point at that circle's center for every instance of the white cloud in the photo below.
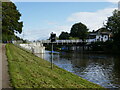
(93, 20)
(43, 33)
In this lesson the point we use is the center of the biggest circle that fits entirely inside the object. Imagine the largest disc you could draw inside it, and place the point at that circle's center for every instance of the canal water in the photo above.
(97, 68)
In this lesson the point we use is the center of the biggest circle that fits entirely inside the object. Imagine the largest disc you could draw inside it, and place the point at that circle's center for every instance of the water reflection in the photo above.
(101, 69)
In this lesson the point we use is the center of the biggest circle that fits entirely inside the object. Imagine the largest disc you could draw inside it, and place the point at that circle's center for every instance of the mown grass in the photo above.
(29, 71)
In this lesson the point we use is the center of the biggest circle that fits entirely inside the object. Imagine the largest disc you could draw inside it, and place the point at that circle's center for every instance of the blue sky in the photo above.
(42, 18)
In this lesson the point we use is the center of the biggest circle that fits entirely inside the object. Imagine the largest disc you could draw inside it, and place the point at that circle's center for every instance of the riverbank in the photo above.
(29, 71)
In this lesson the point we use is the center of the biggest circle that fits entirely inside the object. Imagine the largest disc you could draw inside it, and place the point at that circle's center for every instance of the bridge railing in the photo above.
(62, 41)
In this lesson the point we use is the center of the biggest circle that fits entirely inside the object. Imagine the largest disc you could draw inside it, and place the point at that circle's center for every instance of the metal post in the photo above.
(52, 57)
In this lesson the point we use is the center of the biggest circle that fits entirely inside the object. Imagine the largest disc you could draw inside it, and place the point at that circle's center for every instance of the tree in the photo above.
(10, 21)
(79, 30)
(113, 24)
(64, 35)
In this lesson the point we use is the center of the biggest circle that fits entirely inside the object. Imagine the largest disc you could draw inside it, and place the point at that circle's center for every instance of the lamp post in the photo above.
(53, 39)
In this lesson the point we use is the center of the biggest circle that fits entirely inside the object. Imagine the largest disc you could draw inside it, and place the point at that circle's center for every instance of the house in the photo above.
(99, 35)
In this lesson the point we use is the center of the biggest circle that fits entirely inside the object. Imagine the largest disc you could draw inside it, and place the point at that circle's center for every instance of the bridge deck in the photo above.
(66, 42)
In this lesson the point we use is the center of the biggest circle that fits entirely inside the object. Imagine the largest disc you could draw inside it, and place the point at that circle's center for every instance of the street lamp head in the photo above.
(53, 37)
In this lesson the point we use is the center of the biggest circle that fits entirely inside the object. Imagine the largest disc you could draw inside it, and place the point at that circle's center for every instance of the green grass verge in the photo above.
(29, 71)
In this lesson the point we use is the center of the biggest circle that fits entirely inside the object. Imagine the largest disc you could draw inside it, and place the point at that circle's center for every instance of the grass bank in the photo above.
(29, 71)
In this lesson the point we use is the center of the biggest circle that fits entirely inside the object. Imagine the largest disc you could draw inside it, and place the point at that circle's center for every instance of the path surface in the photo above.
(5, 75)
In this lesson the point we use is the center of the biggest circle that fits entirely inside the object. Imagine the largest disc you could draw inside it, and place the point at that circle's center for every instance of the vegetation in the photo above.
(29, 71)
(64, 36)
(79, 30)
(113, 25)
(10, 21)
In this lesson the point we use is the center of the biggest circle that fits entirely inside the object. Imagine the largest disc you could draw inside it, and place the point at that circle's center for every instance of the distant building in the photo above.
(99, 35)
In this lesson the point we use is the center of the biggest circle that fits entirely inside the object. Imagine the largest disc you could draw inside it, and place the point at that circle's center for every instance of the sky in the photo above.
(42, 18)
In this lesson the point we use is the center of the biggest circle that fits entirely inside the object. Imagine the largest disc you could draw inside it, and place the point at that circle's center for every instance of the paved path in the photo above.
(5, 75)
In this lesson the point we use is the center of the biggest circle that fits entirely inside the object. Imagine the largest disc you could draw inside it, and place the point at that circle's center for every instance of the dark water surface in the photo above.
(100, 69)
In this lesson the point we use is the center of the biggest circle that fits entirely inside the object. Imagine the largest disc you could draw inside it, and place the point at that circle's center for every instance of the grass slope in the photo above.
(29, 71)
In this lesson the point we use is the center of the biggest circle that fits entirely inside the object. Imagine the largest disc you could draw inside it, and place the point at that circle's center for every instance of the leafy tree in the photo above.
(64, 35)
(10, 21)
(79, 30)
(113, 24)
